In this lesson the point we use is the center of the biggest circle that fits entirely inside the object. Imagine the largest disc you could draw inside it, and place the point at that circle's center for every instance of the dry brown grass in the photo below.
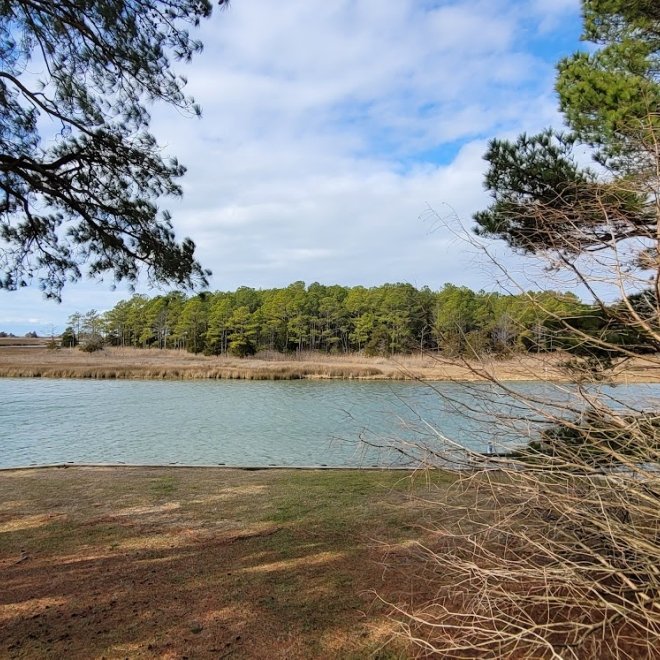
(25, 342)
(134, 363)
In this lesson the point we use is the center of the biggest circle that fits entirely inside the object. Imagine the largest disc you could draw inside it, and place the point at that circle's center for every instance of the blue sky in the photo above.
(328, 131)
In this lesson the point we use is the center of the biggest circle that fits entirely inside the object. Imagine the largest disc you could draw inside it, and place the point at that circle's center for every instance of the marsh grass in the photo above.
(133, 363)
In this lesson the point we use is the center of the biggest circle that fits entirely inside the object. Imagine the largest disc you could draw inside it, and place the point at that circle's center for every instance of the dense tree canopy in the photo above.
(383, 320)
(80, 174)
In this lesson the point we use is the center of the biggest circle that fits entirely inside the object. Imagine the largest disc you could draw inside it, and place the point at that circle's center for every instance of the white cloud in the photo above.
(329, 127)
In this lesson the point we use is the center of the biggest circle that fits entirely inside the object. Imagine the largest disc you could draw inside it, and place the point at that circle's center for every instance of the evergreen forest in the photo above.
(382, 320)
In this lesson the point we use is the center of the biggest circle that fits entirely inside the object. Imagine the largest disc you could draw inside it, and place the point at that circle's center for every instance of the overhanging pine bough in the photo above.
(80, 174)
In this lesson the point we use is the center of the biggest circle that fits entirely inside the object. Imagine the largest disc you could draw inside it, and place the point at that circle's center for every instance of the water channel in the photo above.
(251, 423)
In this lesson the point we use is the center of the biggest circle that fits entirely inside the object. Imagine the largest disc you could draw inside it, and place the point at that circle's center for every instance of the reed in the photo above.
(152, 364)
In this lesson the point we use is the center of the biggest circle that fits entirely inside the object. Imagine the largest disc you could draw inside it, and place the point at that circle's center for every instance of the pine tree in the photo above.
(88, 192)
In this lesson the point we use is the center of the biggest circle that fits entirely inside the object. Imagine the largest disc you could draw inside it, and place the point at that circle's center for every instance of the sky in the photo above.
(342, 142)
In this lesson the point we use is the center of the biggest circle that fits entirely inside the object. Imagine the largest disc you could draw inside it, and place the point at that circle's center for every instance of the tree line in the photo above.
(382, 320)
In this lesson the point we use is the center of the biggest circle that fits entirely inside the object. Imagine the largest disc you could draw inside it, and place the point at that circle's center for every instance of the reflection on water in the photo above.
(256, 423)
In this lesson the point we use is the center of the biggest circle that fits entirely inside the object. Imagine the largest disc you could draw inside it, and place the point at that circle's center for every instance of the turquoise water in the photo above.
(255, 423)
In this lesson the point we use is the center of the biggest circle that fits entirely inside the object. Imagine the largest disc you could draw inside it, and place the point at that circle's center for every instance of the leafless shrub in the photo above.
(559, 554)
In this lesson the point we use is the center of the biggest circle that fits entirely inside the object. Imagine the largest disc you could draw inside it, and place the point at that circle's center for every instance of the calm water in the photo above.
(256, 423)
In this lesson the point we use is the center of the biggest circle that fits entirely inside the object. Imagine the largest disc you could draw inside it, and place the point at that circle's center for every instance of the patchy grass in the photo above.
(163, 486)
(205, 563)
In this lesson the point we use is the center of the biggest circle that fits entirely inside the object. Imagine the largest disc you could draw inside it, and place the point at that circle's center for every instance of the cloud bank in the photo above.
(329, 130)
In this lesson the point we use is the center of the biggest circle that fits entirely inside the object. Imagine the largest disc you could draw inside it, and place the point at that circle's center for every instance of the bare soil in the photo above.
(207, 563)
(37, 361)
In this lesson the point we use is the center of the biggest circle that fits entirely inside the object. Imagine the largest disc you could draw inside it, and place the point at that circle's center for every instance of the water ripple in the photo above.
(255, 423)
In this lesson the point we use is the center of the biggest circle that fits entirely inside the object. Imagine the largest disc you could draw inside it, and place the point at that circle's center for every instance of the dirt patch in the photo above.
(174, 563)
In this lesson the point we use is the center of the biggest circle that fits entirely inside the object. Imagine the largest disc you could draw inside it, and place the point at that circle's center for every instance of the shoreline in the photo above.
(153, 364)
(207, 466)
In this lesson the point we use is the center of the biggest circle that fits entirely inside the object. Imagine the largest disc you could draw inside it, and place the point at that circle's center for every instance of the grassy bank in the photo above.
(111, 363)
(206, 563)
